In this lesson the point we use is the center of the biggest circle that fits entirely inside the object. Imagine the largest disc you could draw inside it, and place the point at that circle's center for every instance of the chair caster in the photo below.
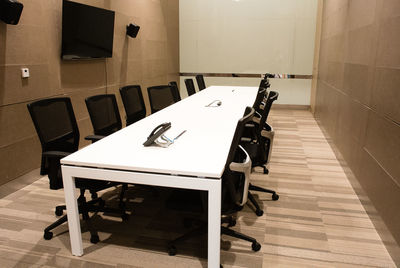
(265, 171)
(255, 246)
(259, 212)
(232, 223)
(59, 211)
(125, 217)
(275, 197)
(94, 239)
(48, 235)
(172, 250)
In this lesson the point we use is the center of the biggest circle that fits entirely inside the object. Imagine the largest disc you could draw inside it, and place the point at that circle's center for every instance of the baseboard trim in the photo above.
(291, 107)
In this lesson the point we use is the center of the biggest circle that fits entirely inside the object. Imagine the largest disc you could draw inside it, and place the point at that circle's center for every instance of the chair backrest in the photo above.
(272, 96)
(190, 86)
(133, 101)
(104, 114)
(175, 91)
(232, 192)
(160, 97)
(264, 83)
(200, 82)
(264, 142)
(248, 114)
(259, 98)
(56, 126)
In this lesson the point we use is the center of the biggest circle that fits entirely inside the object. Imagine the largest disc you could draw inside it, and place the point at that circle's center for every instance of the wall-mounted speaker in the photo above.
(132, 30)
(10, 11)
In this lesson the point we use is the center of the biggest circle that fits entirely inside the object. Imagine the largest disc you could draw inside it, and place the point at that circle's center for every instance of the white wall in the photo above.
(250, 36)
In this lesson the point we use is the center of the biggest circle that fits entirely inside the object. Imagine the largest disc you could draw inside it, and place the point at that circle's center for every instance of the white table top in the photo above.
(201, 151)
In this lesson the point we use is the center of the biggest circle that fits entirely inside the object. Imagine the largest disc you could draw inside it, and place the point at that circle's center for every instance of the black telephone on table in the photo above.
(157, 132)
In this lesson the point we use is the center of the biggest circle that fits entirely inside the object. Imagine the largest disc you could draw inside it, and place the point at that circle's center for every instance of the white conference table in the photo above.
(195, 161)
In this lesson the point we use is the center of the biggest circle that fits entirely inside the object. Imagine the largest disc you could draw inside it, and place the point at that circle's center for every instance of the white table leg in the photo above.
(214, 224)
(72, 212)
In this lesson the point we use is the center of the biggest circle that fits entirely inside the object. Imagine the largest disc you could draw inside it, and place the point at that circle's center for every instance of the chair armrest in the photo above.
(268, 134)
(94, 138)
(245, 168)
(55, 154)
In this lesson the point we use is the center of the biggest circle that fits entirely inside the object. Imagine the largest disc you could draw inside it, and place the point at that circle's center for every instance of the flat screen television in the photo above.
(87, 32)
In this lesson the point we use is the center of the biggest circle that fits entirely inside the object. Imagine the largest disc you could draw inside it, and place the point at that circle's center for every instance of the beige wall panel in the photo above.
(386, 93)
(14, 89)
(361, 13)
(383, 143)
(357, 99)
(360, 45)
(389, 42)
(83, 74)
(358, 81)
(16, 124)
(150, 59)
(335, 74)
(19, 158)
(382, 191)
(390, 9)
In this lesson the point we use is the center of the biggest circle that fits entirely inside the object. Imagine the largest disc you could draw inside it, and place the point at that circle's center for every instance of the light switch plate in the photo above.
(25, 72)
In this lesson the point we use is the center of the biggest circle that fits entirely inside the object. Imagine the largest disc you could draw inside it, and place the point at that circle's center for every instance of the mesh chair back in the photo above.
(160, 97)
(190, 86)
(260, 97)
(104, 114)
(56, 126)
(232, 182)
(263, 143)
(248, 114)
(175, 91)
(200, 82)
(132, 98)
(264, 83)
(272, 96)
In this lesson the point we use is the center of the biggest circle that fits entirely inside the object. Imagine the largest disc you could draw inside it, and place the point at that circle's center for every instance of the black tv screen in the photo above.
(87, 32)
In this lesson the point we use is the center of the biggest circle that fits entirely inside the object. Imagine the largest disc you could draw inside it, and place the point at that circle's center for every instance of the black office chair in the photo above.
(133, 101)
(190, 86)
(161, 97)
(260, 149)
(235, 181)
(104, 115)
(250, 131)
(175, 91)
(58, 132)
(200, 82)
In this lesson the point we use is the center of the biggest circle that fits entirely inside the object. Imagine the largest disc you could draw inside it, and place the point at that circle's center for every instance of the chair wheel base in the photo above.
(275, 197)
(172, 250)
(94, 239)
(259, 212)
(255, 246)
(48, 235)
(232, 223)
(125, 217)
(265, 170)
(59, 211)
